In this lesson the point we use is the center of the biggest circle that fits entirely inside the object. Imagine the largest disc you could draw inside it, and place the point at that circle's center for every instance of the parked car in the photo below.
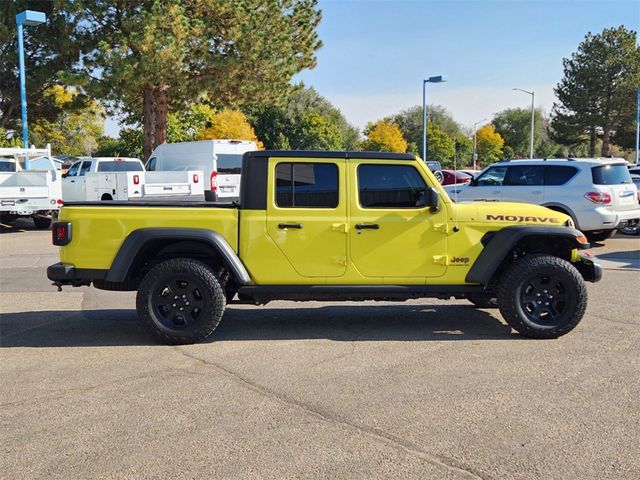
(436, 169)
(118, 178)
(36, 193)
(633, 226)
(598, 194)
(451, 177)
(220, 161)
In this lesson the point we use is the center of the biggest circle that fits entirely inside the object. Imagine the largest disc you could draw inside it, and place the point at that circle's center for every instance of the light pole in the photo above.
(26, 18)
(475, 154)
(438, 79)
(637, 124)
(532, 118)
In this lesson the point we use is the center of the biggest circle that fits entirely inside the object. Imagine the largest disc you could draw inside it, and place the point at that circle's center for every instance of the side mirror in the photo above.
(430, 198)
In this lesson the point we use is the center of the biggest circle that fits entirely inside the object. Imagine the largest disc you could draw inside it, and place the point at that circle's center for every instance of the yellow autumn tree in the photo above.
(231, 124)
(490, 144)
(384, 137)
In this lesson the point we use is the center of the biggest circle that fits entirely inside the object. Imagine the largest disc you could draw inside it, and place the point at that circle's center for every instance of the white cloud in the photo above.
(467, 105)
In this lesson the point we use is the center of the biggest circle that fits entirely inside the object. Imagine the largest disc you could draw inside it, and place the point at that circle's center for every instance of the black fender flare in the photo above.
(499, 244)
(137, 239)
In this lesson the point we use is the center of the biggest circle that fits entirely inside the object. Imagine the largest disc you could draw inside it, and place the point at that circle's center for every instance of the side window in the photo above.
(492, 177)
(73, 170)
(151, 165)
(86, 166)
(389, 186)
(307, 185)
(558, 175)
(524, 175)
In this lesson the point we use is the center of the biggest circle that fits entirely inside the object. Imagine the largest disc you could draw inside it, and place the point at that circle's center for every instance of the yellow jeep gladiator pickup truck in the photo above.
(328, 226)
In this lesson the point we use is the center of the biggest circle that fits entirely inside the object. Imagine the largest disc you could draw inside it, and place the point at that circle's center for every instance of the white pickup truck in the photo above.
(107, 178)
(35, 193)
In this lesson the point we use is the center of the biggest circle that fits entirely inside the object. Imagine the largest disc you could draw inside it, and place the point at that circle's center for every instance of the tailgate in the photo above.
(615, 180)
(181, 183)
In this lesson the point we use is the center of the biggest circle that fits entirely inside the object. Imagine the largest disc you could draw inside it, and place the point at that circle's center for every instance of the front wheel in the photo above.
(542, 296)
(180, 301)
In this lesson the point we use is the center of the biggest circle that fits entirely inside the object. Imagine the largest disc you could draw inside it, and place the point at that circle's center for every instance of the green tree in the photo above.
(463, 150)
(51, 55)
(489, 144)
(410, 123)
(290, 125)
(596, 96)
(129, 144)
(76, 130)
(154, 55)
(440, 146)
(384, 136)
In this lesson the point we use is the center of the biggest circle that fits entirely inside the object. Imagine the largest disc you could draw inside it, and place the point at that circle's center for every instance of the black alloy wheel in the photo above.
(542, 296)
(180, 301)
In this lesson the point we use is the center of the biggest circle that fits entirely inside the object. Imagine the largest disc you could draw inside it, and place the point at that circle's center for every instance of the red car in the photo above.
(451, 177)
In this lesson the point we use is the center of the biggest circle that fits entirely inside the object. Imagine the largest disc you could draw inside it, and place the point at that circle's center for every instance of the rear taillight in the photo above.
(59, 201)
(61, 233)
(214, 181)
(136, 179)
(195, 178)
(598, 197)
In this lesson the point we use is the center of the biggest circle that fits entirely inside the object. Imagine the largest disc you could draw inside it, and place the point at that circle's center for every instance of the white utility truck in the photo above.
(220, 161)
(35, 193)
(119, 178)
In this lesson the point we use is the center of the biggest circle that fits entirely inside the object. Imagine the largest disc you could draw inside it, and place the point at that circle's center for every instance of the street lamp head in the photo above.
(30, 17)
(437, 79)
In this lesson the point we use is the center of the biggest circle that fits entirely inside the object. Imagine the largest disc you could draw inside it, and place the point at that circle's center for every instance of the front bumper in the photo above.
(590, 270)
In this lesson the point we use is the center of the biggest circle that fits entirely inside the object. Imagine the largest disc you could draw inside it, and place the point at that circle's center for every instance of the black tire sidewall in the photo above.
(214, 298)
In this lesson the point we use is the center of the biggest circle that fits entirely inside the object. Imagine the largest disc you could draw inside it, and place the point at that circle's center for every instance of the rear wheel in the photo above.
(632, 228)
(106, 197)
(180, 301)
(42, 223)
(542, 296)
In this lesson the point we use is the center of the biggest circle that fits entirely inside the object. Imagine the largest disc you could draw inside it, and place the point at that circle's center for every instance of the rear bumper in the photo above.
(65, 274)
(590, 270)
(603, 218)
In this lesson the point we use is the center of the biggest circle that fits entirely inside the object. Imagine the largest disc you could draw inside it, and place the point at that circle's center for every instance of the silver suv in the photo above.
(598, 194)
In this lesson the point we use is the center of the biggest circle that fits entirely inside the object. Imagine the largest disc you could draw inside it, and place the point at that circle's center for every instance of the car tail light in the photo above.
(59, 201)
(598, 197)
(214, 181)
(61, 233)
(136, 179)
(195, 178)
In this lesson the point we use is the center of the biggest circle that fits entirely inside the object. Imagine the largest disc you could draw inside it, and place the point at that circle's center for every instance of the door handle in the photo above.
(72, 181)
(289, 225)
(367, 226)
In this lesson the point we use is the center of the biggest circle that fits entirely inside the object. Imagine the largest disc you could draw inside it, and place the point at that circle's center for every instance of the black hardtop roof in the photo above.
(330, 154)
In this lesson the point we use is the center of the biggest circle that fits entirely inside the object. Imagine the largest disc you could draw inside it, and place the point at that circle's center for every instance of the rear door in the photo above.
(524, 183)
(307, 214)
(615, 180)
(487, 186)
(229, 170)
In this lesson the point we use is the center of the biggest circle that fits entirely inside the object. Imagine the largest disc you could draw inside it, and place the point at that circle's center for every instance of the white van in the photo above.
(220, 161)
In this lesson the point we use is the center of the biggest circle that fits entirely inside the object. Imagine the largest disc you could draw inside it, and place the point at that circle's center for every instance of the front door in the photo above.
(487, 186)
(390, 234)
(307, 214)
(524, 183)
(71, 184)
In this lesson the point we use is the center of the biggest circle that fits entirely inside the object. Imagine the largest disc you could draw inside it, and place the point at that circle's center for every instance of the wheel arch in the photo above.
(502, 247)
(559, 207)
(144, 245)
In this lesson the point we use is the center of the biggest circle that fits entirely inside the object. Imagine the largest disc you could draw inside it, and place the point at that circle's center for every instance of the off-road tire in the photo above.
(483, 301)
(202, 287)
(42, 223)
(599, 236)
(517, 287)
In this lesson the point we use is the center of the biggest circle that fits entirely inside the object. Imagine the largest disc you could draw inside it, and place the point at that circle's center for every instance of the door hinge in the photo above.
(340, 227)
(441, 227)
(441, 259)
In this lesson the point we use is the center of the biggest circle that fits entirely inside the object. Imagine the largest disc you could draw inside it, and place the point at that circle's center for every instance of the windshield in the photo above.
(611, 175)
(6, 166)
(120, 166)
(230, 163)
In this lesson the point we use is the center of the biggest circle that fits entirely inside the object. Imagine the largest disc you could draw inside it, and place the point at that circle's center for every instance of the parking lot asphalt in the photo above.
(422, 389)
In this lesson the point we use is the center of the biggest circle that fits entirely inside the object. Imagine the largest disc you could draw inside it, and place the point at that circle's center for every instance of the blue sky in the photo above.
(376, 53)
